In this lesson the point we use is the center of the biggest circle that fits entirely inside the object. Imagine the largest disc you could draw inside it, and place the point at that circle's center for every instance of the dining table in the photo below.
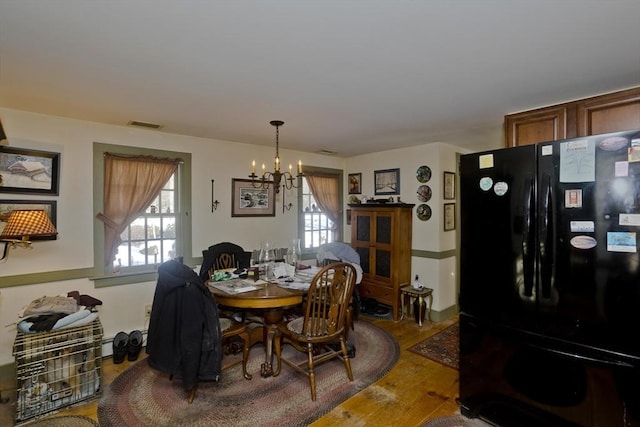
(269, 298)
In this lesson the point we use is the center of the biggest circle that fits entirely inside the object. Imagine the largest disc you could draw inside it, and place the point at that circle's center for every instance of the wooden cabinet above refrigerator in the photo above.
(612, 112)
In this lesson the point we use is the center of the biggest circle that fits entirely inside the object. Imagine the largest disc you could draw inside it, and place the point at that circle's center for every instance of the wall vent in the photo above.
(144, 124)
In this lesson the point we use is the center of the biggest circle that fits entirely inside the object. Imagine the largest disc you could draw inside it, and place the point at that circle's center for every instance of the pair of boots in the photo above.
(127, 345)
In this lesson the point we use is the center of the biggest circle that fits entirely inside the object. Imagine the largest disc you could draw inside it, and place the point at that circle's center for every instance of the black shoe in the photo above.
(120, 346)
(135, 345)
(351, 349)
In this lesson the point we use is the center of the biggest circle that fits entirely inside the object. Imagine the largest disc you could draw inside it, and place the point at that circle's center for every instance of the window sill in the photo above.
(125, 278)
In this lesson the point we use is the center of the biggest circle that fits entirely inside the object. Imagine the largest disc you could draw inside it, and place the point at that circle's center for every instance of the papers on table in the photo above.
(308, 274)
(301, 280)
(237, 286)
(295, 284)
(283, 270)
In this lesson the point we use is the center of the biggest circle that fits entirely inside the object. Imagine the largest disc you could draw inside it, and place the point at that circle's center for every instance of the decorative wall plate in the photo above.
(424, 193)
(423, 212)
(423, 174)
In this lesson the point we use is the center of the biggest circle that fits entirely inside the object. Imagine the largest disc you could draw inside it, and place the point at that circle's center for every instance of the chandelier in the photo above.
(285, 178)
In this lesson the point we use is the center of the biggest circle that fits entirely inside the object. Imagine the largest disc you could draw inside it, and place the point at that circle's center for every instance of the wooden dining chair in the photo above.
(324, 322)
(330, 253)
(230, 328)
(223, 255)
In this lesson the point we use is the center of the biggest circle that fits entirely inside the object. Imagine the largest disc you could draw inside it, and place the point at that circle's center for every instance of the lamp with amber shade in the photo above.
(22, 225)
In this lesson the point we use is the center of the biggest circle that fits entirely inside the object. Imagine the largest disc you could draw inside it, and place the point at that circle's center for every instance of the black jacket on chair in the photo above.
(184, 332)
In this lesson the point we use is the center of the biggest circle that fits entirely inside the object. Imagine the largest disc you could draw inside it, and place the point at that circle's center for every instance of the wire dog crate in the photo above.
(57, 369)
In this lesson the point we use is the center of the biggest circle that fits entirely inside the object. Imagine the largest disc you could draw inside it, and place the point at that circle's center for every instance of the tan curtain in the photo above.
(130, 185)
(325, 190)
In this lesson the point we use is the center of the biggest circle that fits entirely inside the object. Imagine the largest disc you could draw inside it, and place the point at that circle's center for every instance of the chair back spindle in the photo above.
(328, 300)
(324, 322)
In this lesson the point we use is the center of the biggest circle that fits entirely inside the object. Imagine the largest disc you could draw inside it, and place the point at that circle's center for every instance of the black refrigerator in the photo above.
(550, 283)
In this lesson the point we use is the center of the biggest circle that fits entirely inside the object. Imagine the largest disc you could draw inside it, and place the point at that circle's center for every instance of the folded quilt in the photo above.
(45, 305)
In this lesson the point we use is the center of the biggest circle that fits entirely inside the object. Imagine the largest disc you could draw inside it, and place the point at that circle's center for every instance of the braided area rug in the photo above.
(141, 396)
(64, 421)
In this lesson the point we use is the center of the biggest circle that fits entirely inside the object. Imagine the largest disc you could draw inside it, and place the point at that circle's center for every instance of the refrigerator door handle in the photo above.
(546, 242)
(528, 238)
(601, 362)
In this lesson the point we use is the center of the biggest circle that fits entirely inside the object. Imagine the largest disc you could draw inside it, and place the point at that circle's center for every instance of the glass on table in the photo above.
(293, 252)
(267, 258)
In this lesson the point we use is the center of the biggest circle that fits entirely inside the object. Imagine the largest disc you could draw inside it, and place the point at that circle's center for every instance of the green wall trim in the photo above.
(125, 279)
(81, 273)
(46, 276)
(433, 255)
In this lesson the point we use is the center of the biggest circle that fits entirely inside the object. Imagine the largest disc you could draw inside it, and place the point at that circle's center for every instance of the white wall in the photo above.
(123, 306)
(438, 274)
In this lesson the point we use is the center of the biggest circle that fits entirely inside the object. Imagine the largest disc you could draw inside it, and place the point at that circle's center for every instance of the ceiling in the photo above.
(350, 77)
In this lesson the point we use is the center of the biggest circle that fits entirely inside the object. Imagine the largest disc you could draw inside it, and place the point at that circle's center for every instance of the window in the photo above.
(318, 228)
(151, 238)
(157, 235)
(318, 225)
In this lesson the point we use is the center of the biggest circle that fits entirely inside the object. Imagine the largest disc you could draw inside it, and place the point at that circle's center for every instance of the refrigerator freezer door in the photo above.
(498, 235)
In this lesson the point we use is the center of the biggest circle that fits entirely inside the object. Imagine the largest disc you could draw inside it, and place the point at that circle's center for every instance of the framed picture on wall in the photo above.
(355, 183)
(449, 216)
(48, 206)
(250, 201)
(29, 171)
(449, 190)
(386, 181)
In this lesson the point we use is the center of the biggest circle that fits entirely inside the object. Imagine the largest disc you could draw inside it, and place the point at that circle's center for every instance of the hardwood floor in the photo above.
(414, 391)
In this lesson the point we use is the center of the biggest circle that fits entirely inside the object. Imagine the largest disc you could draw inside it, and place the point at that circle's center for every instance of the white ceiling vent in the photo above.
(327, 152)
(144, 124)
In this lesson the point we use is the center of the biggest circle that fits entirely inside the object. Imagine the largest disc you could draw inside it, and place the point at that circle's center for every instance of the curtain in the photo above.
(325, 191)
(131, 183)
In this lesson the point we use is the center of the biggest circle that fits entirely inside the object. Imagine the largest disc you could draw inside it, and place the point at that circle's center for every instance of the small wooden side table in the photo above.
(417, 302)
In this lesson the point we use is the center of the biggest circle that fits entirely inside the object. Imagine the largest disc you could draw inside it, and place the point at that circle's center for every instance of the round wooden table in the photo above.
(270, 300)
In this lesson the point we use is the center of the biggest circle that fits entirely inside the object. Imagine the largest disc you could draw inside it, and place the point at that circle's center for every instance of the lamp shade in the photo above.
(23, 224)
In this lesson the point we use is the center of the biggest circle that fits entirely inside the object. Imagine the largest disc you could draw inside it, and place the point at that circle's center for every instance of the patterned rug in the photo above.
(64, 421)
(441, 347)
(141, 396)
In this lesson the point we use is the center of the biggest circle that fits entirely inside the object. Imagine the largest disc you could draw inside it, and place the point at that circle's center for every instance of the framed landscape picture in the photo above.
(247, 200)
(48, 206)
(386, 181)
(28, 171)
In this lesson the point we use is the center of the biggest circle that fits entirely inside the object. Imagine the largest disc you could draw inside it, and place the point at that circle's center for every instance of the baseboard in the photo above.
(446, 314)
